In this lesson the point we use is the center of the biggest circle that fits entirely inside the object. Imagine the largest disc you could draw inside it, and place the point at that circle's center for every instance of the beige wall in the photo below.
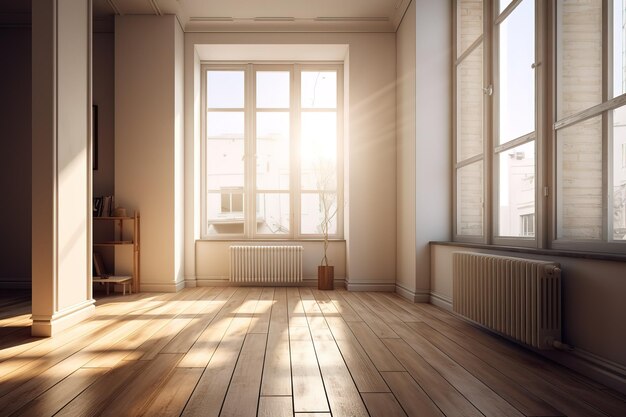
(592, 299)
(370, 211)
(103, 88)
(148, 112)
(405, 150)
(104, 97)
(15, 158)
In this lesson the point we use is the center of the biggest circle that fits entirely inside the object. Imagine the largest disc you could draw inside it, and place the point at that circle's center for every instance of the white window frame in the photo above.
(482, 40)
(603, 109)
(491, 150)
(535, 136)
(250, 110)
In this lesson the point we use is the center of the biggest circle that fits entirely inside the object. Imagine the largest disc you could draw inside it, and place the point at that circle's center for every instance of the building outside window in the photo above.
(272, 164)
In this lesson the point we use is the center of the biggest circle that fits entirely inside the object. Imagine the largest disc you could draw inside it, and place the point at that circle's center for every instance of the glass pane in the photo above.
(619, 174)
(579, 55)
(318, 151)
(225, 150)
(619, 48)
(517, 188)
(272, 151)
(225, 89)
(225, 211)
(318, 212)
(517, 78)
(470, 23)
(504, 4)
(272, 213)
(579, 180)
(470, 200)
(319, 89)
(272, 89)
(470, 105)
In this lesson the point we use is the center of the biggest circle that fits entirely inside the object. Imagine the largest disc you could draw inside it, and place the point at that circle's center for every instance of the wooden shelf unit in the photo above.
(134, 242)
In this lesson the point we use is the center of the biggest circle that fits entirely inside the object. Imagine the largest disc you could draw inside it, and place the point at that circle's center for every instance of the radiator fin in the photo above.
(519, 298)
(262, 264)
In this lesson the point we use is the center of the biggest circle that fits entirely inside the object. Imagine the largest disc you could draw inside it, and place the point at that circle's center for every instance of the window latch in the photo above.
(489, 90)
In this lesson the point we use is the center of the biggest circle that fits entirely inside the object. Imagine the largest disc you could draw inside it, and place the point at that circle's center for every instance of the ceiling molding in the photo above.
(400, 9)
(318, 24)
(351, 19)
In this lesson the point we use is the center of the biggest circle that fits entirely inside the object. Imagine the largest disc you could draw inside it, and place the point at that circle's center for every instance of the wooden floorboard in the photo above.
(278, 352)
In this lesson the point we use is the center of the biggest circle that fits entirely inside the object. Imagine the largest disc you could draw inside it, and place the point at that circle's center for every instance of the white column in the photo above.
(149, 147)
(61, 183)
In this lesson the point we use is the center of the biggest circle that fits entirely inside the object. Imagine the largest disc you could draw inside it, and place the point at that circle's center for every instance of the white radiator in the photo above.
(519, 298)
(266, 264)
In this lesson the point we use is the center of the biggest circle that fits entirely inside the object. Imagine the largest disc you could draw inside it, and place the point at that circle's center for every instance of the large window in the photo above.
(540, 123)
(590, 124)
(515, 123)
(272, 151)
(470, 126)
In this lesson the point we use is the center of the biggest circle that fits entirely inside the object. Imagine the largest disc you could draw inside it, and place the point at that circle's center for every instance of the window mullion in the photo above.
(250, 154)
(294, 183)
(489, 59)
(203, 149)
(607, 119)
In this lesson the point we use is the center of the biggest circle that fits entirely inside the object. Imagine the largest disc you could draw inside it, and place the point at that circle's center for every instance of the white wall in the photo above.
(433, 132)
(15, 157)
(592, 300)
(148, 144)
(61, 169)
(370, 171)
(424, 142)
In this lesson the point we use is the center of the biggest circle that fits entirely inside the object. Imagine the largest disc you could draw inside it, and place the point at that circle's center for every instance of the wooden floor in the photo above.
(276, 352)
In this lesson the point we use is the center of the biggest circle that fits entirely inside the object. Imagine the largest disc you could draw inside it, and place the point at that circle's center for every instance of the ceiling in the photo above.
(244, 15)
(266, 15)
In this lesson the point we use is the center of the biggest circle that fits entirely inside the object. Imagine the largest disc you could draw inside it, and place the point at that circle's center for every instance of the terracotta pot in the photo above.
(325, 277)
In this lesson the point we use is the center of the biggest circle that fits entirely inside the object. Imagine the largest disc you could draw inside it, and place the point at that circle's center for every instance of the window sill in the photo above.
(548, 252)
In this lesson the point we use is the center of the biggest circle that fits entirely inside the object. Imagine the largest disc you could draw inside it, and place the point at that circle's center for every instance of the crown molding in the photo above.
(289, 24)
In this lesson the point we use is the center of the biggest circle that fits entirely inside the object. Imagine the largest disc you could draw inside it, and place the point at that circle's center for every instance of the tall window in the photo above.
(561, 167)
(470, 127)
(515, 130)
(272, 165)
(590, 125)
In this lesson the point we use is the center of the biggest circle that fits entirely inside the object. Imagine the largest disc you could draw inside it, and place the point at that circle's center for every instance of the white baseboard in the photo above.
(191, 282)
(418, 296)
(441, 300)
(370, 286)
(307, 282)
(160, 287)
(15, 285)
(48, 326)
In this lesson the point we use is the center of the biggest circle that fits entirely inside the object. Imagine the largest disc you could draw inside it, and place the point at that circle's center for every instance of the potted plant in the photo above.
(328, 205)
